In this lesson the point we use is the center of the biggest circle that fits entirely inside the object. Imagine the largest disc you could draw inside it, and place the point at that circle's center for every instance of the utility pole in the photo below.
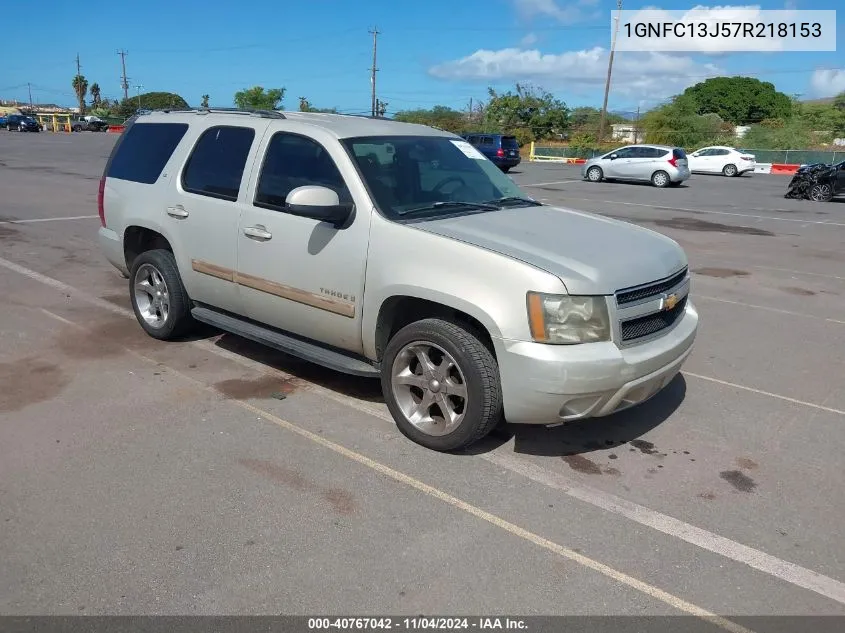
(29, 85)
(125, 83)
(374, 70)
(609, 70)
(637, 126)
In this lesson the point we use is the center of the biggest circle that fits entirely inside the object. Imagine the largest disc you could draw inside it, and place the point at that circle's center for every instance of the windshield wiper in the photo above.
(514, 199)
(485, 206)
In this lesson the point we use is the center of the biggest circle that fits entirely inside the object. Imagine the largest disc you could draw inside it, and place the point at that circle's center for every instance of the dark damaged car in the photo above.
(819, 182)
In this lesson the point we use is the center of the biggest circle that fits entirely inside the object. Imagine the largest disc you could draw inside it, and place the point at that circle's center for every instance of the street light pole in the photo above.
(139, 95)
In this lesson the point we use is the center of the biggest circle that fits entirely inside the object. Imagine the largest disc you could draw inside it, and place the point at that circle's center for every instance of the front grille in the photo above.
(652, 323)
(631, 295)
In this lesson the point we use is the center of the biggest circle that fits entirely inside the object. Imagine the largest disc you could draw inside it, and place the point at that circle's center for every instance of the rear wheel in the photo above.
(821, 193)
(506, 169)
(441, 384)
(595, 174)
(729, 170)
(660, 179)
(159, 299)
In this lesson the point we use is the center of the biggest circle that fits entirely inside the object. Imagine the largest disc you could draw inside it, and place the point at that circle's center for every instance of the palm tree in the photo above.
(205, 99)
(95, 95)
(80, 87)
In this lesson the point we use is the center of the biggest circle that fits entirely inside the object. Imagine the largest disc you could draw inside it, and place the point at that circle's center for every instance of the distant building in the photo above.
(625, 132)
(740, 130)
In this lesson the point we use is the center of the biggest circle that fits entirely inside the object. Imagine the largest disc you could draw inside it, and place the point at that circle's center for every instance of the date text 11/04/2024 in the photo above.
(416, 623)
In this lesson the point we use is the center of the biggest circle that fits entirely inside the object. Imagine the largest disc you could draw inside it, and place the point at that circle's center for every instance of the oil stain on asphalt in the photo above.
(29, 381)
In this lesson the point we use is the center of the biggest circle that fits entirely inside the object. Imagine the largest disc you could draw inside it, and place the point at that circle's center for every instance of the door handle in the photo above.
(258, 232)
(177, 211)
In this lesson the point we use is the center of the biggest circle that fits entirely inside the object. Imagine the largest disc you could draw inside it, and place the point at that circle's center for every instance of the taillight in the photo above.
(673, 161)
(500, 152)
(747, 157)
(101, 209)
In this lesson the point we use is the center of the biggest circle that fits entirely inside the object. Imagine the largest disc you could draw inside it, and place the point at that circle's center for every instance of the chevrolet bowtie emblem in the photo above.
(670, 302)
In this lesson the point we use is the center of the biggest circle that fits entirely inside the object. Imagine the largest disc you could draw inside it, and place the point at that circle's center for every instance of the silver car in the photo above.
(661, 165)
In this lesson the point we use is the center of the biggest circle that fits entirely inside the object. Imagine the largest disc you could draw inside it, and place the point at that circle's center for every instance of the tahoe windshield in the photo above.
(431, 176)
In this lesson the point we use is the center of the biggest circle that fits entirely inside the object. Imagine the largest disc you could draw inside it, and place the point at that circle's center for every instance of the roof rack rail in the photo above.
(266, 114)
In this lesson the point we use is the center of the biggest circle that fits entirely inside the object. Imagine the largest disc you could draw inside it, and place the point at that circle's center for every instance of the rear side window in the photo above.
(679, 154)
(486, 140)
(509, 142)
(216, 165)
(144, 151)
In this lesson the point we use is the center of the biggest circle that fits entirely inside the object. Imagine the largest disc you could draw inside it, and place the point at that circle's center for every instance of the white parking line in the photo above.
(778, 568)
(768, 309)
(660, 207)
(63, 219)
(554, 182)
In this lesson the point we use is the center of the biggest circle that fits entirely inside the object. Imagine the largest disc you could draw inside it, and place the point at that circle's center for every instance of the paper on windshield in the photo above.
(468, 150)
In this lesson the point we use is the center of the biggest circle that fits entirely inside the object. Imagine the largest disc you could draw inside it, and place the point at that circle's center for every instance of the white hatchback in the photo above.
(718, 159)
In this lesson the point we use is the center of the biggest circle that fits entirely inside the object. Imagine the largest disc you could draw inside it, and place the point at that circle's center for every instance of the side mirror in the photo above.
(614, 156)
(318, 203)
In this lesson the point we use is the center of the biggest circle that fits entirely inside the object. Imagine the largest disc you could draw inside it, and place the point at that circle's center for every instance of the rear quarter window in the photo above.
(142, 153)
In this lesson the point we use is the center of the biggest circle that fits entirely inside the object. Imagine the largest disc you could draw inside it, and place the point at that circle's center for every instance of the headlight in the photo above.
(567, 319)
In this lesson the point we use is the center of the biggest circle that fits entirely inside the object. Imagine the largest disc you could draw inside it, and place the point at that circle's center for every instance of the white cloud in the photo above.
(528, 40)
(569, 14)
(635, 75)
(827, 82)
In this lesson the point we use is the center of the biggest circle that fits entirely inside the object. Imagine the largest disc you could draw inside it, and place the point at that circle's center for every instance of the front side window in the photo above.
(625, 152)
(295, 161)
(217, 163)
(430, 176)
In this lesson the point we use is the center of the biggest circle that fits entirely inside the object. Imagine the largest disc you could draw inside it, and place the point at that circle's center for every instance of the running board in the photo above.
(339, 361)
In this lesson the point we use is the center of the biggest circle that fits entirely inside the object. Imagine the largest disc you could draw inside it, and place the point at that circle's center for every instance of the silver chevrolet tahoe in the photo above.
(395, 251)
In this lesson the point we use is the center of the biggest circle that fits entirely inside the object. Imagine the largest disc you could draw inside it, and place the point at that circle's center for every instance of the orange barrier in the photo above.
(580, 161)
(785, 170)
(116, 129)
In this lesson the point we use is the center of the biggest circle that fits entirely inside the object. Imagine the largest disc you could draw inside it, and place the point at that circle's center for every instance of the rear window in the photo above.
(679, 154)
(509, 142)
(144, 151)
(217, 163)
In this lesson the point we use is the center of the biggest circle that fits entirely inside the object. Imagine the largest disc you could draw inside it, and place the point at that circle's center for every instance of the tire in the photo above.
(821, 193)
(729, 170)
(473, 370)
(660, 179)
(505, 169)
(595, 174)
(77, 128)
(158, 323)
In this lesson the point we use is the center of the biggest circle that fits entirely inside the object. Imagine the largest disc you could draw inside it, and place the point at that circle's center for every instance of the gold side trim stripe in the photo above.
(329, 304)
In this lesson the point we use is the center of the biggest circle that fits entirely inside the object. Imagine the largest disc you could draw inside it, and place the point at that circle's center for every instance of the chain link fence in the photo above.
(774, 156)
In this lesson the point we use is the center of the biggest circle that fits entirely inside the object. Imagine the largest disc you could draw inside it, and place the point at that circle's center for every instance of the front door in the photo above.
(839, 183)
(294, 273)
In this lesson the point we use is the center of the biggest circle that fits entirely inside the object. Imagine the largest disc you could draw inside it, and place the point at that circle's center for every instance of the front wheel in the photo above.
(660, 179)
(821, 193)
(594, 174)
(159, 299)
(441, 384)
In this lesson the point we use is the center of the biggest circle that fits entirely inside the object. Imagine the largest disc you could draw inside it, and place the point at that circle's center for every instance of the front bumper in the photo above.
(548, 384)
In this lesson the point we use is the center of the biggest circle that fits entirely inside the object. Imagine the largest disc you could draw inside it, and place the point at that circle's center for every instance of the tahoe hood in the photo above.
(590, 254)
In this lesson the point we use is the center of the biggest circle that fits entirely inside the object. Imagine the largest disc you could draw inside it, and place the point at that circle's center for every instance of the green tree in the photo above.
(678, 123)
(305, 106)
(530, 114)
(587, 119)
(80, 88)
(839, 101)
(740, 100)
(441, 117)
(204, 103)
(95, 95)
(256, 98)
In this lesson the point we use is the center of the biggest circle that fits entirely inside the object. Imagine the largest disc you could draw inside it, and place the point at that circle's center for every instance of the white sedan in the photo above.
(721, 160)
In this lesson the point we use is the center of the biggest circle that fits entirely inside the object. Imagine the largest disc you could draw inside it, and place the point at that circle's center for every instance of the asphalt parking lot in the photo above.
(216, 477)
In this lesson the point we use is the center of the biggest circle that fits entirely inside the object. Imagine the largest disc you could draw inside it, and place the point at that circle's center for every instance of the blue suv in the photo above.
(501, 149)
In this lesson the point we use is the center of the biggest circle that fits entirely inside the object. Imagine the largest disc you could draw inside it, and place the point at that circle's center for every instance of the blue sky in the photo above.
(434, 52)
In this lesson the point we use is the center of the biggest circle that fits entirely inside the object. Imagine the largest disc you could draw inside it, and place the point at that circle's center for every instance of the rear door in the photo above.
(839, 183)
(204, 206)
